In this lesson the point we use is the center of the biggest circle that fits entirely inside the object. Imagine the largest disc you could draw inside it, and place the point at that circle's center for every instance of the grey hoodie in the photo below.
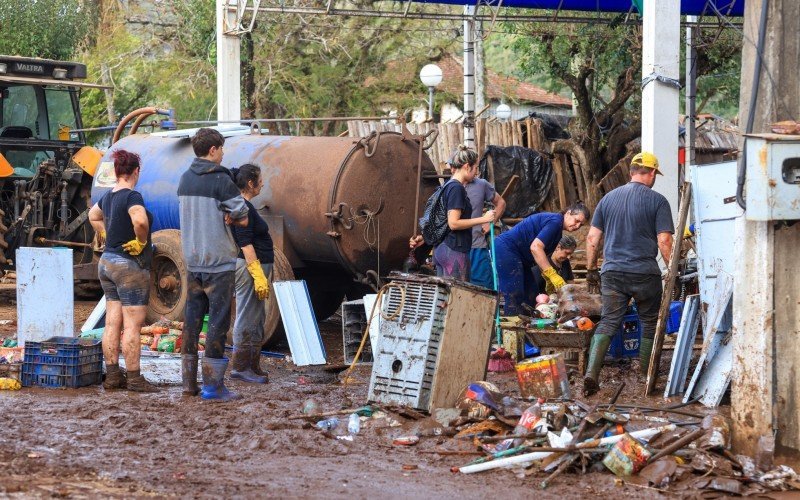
(206, 193)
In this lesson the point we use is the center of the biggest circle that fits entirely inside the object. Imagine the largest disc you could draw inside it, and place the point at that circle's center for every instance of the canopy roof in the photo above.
(688, 7)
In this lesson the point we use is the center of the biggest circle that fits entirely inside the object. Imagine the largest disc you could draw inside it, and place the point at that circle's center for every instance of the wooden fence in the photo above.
(527, 133)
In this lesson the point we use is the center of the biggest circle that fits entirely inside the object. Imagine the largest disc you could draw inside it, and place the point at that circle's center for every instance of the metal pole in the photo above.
(443, 16)
(469, 76)
(228, 63)
(430, 103)
(691, 94)
(661, 49)
(480, 72)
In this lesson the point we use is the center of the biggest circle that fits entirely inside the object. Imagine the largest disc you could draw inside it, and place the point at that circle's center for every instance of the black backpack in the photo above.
(433, 223)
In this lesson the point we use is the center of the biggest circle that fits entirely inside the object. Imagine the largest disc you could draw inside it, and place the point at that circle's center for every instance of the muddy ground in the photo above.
(93, 443)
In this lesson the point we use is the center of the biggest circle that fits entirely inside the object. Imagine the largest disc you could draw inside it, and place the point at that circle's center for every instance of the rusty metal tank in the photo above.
(340, 209)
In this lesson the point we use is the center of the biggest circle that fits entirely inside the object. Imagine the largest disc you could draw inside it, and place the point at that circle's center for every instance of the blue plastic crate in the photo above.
(625, 344)
(674, 318)
(62, 362)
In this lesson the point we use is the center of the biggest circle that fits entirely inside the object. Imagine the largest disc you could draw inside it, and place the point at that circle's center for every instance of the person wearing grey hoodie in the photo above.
(209, 203)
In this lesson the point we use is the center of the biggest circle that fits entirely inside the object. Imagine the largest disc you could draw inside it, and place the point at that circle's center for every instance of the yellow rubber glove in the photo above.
(99, 241)
(260, 282)
(9, 384)
(134, 247)
(552, 278)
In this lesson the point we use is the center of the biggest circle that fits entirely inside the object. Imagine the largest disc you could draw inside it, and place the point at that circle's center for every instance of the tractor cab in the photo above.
(46, 168)
(38, 110)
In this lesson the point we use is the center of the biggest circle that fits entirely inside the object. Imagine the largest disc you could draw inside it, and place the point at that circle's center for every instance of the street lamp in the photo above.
(431, 76)
(503, 112)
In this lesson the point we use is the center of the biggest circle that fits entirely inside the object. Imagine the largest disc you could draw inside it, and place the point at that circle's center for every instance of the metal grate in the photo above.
(418, 305)
(354, 322)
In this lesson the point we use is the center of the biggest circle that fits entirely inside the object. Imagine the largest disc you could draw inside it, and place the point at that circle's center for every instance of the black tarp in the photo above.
(535, 177)
(553, 126)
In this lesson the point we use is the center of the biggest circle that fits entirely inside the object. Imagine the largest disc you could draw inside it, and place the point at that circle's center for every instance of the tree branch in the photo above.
(618, 141)
(623, 92)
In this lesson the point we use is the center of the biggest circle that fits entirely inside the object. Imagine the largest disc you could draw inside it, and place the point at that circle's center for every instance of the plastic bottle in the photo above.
(328, 424)
(542, 323)
(353, 424)
(528, 420)
(310, 407)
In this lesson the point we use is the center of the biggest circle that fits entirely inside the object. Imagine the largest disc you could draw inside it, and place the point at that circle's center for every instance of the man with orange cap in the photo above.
(632, 223)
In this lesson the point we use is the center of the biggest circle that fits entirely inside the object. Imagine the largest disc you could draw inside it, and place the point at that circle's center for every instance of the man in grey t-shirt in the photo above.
(635, 223)
(480, 191)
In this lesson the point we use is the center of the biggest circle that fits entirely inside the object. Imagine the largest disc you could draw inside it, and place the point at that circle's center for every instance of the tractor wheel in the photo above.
(168, 278)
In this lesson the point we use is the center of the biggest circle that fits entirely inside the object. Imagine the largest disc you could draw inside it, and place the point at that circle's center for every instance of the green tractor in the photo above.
(46, 168)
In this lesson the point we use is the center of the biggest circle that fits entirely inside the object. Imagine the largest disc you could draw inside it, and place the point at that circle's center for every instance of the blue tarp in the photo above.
(688, 7)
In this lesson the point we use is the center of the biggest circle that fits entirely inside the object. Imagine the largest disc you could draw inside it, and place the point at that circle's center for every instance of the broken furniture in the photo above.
(434, 340)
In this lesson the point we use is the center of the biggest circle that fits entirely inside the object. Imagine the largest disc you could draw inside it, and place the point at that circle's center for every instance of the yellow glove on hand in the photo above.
(134, 247)
(551, 277)
(99, 241)
(260, 282)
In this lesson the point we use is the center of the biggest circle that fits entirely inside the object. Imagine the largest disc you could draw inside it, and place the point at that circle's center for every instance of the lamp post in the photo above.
(503, 112)
(431, 76)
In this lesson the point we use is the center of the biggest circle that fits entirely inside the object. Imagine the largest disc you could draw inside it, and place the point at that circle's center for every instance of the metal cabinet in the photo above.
(434, 340)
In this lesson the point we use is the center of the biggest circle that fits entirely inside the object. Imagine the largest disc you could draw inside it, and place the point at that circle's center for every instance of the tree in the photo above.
(317, 66)
(50, 29)
(147, 70)
(601, 65)
(719, 67)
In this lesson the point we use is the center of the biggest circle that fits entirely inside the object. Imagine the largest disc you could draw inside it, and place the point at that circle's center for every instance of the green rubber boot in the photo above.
(597, 352)
(645, 351)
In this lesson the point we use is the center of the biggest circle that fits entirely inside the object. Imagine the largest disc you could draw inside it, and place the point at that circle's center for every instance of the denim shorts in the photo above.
(123, 280)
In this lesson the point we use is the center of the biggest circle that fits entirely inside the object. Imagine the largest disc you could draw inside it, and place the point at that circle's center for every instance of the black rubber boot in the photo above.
(597, 353)
(255, 363)
(241, 362)
(189, 374)
(137, 383)
(115, 378)
(645, 351)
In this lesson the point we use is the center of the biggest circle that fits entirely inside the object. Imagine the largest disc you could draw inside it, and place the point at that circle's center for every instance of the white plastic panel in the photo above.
(302, 330)
(715, 212)
(45, 305)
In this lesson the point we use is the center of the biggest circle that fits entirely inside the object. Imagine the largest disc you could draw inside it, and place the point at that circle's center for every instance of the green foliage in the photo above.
(292, 66)
(51, 29)
(501, 58)
(552, 51)
(313, 67)
(196, 28)
(719, 68)
(601, 64)
(170, 80)
(561, 51)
